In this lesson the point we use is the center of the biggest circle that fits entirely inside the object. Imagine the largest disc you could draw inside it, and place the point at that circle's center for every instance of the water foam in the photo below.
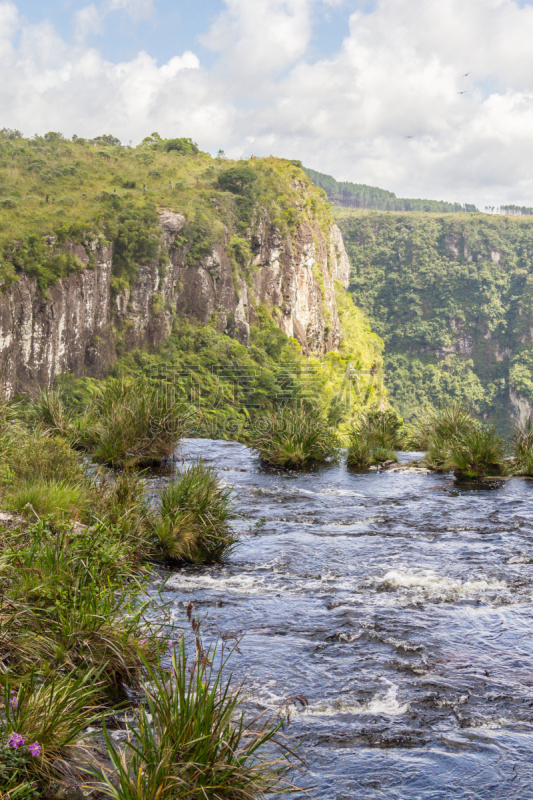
(384, 704)
(437, 583)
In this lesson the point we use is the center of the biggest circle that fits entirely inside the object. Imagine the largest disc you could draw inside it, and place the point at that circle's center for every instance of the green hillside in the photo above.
(452, 298)
(50, 186)
(55, 191)
(360, 195)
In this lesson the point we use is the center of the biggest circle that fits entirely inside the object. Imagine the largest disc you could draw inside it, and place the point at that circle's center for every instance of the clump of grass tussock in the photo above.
(191, 523)
(439, 429)
(119, 505)
(57, 500)
(71, 607)
(134, 423)
(477, 454)
(294, 437)
(50, 411)
(190, 740)
(522, 447)
(374, 438)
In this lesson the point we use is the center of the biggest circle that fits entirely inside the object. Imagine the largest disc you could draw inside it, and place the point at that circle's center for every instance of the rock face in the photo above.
(82, 326)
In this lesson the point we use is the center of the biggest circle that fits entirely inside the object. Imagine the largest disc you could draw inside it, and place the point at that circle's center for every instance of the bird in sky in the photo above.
(409, 137)
(465, 75)
(462, 92)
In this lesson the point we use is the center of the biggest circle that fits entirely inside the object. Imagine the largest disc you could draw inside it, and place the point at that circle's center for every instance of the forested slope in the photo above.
(452, 298)
(361, 195)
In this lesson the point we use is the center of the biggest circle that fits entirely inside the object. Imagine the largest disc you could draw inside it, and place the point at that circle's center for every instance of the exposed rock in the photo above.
(522, 408)
(81, 325)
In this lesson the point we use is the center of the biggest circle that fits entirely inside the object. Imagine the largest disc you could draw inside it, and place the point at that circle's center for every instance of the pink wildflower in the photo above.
(13, 700)
(15, 740)
(35, 749)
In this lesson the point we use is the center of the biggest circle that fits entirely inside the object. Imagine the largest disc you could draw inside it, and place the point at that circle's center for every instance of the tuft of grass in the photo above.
(191, 523)
(189, 739)
(440, 428)
(477, 454)
(522, 445)
(73, 606)
(134, 423)
(50, 410)
(294, 437)
(57, 500)
(374, 438)
(39, 456)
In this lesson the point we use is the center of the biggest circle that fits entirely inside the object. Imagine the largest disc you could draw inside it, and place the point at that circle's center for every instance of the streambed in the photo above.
(400, 606)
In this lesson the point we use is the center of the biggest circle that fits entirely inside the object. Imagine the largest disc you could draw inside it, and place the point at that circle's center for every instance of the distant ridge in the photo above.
(359, 195)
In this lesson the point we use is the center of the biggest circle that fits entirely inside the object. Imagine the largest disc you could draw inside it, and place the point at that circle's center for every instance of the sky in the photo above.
(425, 98)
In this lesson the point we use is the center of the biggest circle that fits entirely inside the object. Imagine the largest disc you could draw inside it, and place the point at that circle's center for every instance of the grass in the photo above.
(438, 431)
(190, 739)
(477, 454)
(134, 423)
(292, 438)
(56, 500)
(522, 447)
(191, 523)
(77, 630)
(52, 713)
(374, 438)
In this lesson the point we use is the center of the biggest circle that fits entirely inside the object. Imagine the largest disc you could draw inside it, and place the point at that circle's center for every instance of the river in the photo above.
(399, 605)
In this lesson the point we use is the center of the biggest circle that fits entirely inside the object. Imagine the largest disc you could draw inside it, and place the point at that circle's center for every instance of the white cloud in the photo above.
(397, 74)
(91, 19)
(260, 38)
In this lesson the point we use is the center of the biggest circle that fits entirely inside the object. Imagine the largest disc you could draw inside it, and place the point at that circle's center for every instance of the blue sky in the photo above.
(340, 84)
(124, 36)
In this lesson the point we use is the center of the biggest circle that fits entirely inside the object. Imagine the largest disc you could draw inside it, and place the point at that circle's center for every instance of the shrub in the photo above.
(477, 454)
(237, 180)
(523, 448)
(192, 521)
(190, 739)
(294, 437)
(135, 423)
(182, 145)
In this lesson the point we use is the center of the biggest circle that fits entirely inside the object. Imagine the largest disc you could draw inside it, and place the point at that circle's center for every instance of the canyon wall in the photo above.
(452, 298)
(81, 325)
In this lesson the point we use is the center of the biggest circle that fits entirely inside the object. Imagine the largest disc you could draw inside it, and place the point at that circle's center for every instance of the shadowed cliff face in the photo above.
(82, 326)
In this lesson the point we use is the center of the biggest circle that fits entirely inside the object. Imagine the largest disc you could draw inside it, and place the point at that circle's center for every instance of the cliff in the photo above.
(451, 296)
(81, 323)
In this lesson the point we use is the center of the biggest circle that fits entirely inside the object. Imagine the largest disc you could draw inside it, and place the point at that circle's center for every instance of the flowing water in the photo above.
(399, 605)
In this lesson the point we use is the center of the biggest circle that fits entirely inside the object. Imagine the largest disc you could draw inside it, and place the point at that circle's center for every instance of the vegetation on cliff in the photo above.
(54, 191)
(451, 298)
